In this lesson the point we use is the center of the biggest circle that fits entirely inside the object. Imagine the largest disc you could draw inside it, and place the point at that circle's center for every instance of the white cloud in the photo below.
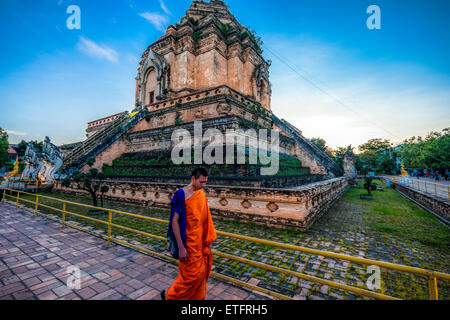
(91, 48)
(159, 21)
(163, 6)
(15, 133)
(132, 59)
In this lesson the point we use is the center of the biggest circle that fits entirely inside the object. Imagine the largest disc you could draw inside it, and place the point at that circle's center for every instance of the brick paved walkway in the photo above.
(35, 253)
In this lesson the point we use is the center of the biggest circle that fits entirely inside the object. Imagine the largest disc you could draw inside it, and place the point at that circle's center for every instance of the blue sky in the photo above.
(391, 83)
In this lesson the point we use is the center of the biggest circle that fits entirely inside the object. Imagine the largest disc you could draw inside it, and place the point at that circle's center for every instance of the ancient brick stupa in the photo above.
(208, 68)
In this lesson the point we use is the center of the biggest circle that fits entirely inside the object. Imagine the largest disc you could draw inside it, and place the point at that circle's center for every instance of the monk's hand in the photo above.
(182, 253)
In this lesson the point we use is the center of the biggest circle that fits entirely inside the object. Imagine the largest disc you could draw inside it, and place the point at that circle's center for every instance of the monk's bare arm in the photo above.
(176, 231)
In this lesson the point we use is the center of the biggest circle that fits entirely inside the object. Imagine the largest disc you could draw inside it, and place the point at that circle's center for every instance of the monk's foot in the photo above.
(163, 295)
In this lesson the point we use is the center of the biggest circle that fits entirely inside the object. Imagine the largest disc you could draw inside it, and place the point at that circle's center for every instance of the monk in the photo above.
(194, 236)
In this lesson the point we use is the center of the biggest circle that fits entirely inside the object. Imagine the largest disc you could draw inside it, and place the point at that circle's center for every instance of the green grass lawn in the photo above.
(389, 212)
(388, 228)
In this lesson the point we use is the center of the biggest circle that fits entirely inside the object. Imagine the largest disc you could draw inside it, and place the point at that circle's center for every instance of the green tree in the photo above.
(92, 182)
(322, 145)
(377, 155)
(4, 146)
(22, 166)
(369, 185)
(22, 147)
(103, 190)
(411, 152)
(338, 155)
(433, 152)
(436, 150)
(361, 167)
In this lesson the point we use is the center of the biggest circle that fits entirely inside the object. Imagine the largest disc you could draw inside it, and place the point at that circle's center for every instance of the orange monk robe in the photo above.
(193, 274)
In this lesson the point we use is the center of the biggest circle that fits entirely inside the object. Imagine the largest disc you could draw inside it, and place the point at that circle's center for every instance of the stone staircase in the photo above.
(99, 141)
(318, 154)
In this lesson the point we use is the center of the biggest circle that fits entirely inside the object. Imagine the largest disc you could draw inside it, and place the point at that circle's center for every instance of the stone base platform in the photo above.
(269, 206)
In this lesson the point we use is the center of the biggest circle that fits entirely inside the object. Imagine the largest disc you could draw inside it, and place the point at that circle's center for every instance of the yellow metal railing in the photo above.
(431, 275)
(438, 189)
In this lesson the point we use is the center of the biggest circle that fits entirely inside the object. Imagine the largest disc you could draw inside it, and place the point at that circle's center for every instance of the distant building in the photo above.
(12, 154)
(99, 124)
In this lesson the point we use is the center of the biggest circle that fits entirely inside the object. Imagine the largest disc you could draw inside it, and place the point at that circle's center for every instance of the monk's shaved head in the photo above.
(199, 179)
(199, 172)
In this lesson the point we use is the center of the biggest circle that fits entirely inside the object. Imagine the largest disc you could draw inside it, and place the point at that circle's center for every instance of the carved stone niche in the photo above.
(157, 195)
(272, 206)
(223, 202)
(223, 109)
(246, 204)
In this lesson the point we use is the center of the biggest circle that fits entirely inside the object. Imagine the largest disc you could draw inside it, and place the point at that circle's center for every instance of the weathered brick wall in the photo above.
(197, 53)
(277, 207)
(308, 160)
(439, 206)
(261, 182)
(214, 107)
(113, 152)
(218, 108)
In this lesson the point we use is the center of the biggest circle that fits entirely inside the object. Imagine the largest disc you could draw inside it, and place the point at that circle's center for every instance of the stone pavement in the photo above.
(35, 254)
